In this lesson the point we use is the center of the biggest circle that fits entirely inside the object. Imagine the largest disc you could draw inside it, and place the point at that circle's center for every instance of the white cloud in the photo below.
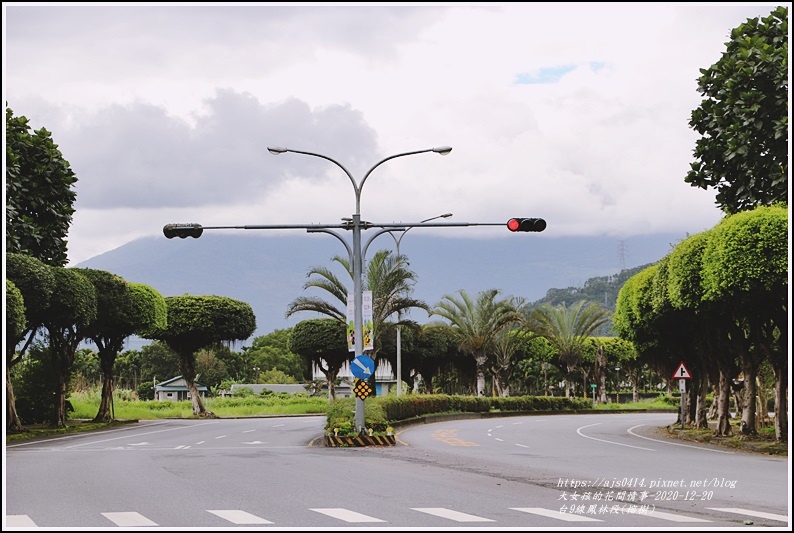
(165, 112)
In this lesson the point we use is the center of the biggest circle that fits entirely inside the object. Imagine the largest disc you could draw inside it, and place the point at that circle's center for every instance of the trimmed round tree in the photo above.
(685, 290)
(123, 309)
(196, 322)
(72, 308)
(321, 342)
(745, 267)
(35, 282)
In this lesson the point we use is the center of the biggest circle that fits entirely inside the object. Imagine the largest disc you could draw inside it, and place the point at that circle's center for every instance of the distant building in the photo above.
(175, 390)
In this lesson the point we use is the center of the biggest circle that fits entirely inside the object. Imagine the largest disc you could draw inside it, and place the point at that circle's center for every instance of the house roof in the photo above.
(178, 383)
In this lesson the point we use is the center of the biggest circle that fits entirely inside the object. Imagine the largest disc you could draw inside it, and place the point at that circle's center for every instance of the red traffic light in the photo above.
(526, 224)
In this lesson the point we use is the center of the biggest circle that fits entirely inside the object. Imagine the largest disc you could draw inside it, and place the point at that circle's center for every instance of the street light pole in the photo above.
(357, 259)
(617, 392)
(399, 312)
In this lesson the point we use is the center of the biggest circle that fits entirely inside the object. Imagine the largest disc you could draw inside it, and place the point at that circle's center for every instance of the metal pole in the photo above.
(399, 332)
(617, 386)
(399, 313)
(358, 326)
(682, 390)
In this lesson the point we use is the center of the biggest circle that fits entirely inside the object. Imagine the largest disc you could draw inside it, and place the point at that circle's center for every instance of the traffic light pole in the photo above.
(356, 225)
(358, 326)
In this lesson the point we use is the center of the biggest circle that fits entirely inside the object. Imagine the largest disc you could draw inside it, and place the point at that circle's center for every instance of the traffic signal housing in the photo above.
(182, 230)
(526, 224)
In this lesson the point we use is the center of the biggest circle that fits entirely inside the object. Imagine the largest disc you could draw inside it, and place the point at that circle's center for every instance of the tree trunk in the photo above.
(749, 419)
(724, 406)
(104, 414)
(602, 388)
(781, 408)
(59, 411)
(330, 377)
(601, 375)
(480, 360)
(14, 423)
(189, 374)
(415, 378)
(712, 412)
(701, 421)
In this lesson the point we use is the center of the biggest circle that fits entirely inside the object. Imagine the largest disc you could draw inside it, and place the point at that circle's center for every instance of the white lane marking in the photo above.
(249, 430)
(346, 515)
(579, 431)
(128, 519)
(758, 514)
(221, 437)
(631, 432)
(255, 442)
(19, 520)
(74, 436)
(278, 425)
(674, 517)
(457, 516)
(556, 514)
(522, 445)
(239, 517)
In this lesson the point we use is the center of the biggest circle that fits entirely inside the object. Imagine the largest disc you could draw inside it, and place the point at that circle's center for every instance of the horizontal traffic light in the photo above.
(526, 224)
(182, 230)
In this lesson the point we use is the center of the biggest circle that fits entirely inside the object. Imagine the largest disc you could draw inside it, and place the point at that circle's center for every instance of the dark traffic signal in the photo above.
(526, 224)
(182, 230)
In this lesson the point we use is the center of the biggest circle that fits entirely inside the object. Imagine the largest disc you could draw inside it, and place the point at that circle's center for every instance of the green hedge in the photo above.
(381, 412)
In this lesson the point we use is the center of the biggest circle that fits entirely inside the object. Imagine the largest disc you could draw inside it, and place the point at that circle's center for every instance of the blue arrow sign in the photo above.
(362, 366)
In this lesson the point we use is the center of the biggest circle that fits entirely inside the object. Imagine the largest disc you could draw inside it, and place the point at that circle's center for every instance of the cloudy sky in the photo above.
(576, 113)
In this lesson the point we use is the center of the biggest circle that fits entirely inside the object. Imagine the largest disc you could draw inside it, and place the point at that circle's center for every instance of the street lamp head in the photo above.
(443, 150)
(275, 150)
(445, 215)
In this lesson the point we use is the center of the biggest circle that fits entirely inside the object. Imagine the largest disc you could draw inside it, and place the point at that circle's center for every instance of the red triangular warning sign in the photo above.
(682, 372)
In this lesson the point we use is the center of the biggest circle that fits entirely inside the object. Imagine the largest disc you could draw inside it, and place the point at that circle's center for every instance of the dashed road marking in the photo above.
(235, 516)
(347, 515)
(128, 519)
(457, 516)
(556, 514)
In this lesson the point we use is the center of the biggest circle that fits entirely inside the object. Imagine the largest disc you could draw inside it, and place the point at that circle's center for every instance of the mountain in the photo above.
(268, 272)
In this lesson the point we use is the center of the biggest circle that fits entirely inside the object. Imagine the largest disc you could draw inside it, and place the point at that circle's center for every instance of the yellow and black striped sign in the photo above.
(361, 389)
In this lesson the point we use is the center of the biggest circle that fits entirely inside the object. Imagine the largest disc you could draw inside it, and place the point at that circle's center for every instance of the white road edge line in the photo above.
(579, 432)
(631, 432)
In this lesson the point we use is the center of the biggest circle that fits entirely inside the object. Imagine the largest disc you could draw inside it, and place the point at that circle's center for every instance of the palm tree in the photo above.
(388, 278)
(508, 342)
(567, 328)
(477, 324)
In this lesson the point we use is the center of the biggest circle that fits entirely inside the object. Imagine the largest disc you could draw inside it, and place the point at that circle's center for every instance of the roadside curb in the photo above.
(360, 440)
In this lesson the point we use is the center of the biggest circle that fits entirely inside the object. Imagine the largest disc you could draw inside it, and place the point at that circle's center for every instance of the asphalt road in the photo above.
(555, 471)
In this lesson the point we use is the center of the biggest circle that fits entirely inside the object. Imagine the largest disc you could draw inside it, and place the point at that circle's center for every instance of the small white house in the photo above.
(175, 390)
